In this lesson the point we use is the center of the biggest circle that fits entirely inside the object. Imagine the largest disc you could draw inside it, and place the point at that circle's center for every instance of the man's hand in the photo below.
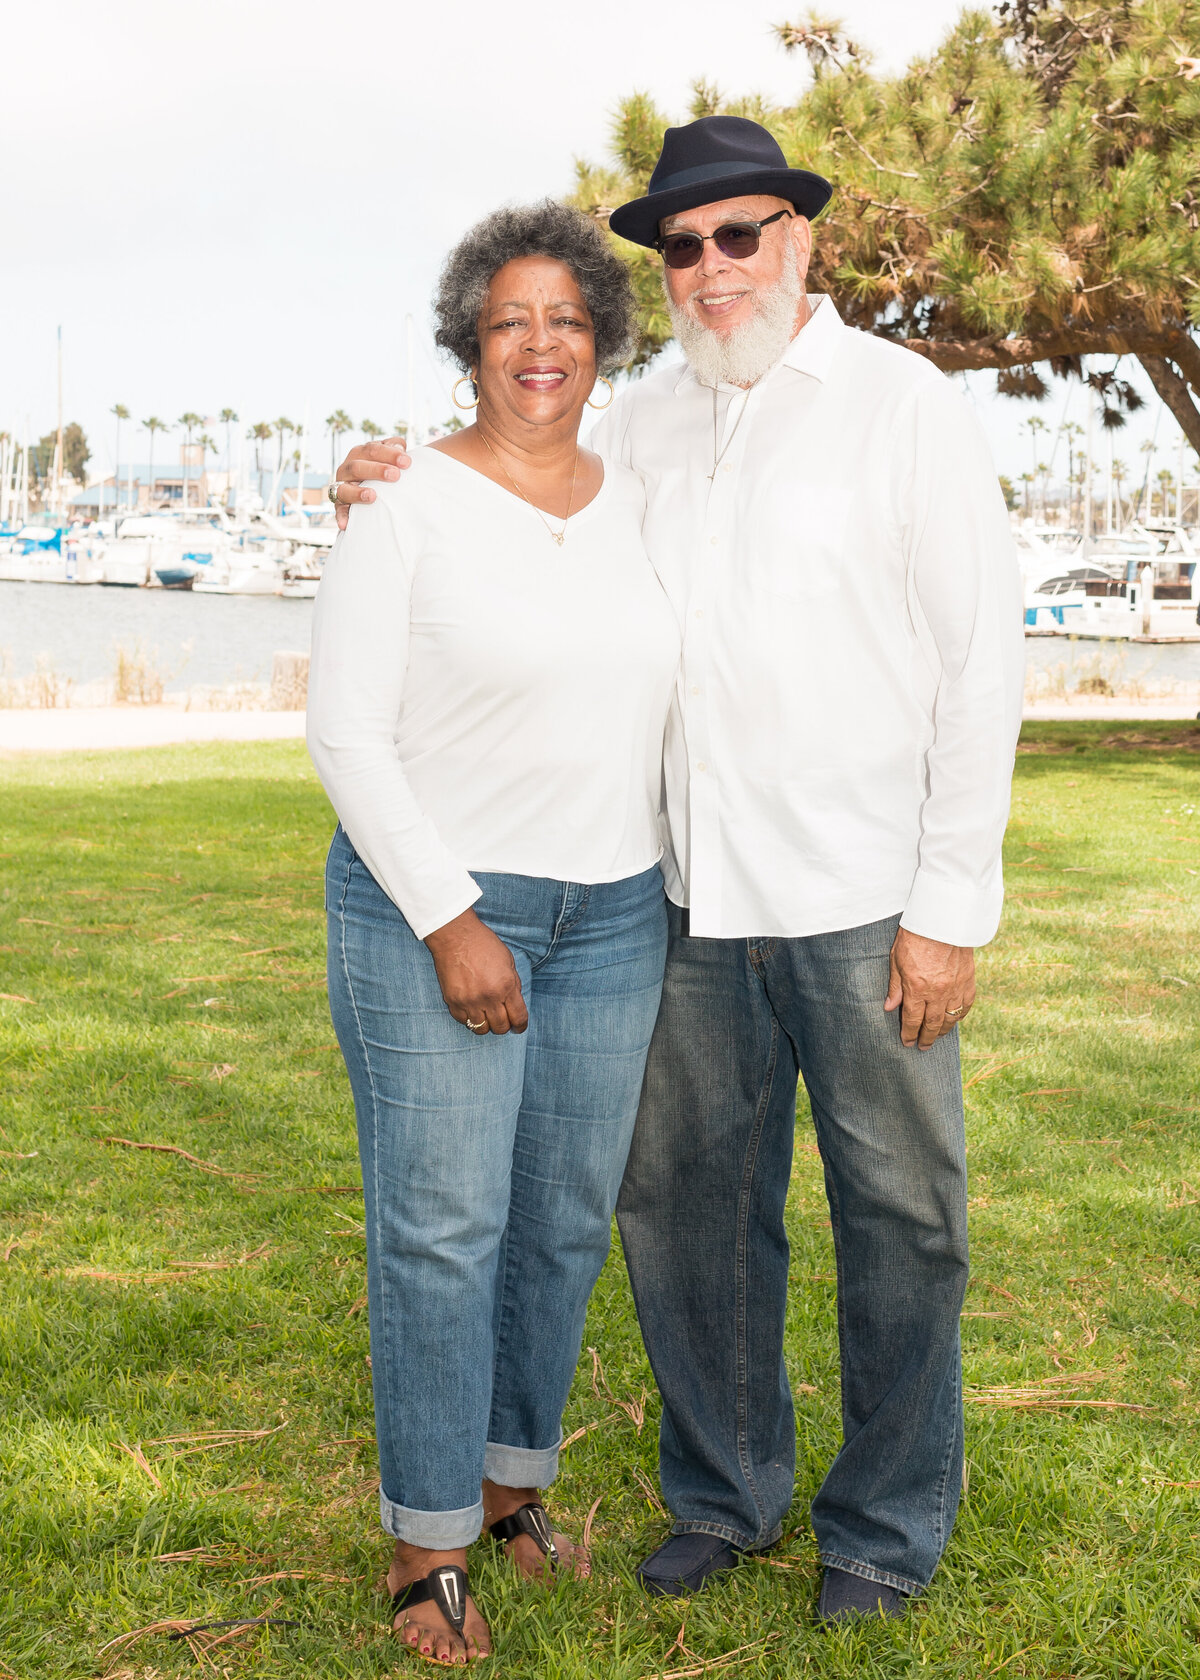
(385, 460)
(933, 987)
(478, 977)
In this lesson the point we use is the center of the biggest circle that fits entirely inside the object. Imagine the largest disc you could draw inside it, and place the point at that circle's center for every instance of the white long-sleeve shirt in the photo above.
(842, 739)
(482, 699)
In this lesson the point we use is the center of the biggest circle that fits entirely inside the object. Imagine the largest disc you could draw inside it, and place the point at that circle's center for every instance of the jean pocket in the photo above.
(338, 860)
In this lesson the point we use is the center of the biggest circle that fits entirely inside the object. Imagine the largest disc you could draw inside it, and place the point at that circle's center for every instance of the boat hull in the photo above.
(240, 580)
(175, 577)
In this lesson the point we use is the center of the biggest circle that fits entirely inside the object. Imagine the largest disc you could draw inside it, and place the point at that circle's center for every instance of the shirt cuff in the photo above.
(427, 916)
(953, 912)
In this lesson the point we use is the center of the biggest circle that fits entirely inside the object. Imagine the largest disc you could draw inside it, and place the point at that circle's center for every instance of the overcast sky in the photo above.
(237, 202)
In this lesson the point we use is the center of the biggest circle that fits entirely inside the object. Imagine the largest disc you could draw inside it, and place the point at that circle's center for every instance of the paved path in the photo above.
(103, 728)
(1183, 705)
(100, 728)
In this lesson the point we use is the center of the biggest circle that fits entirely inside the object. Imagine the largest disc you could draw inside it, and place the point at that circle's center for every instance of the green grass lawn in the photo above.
(186, 1427)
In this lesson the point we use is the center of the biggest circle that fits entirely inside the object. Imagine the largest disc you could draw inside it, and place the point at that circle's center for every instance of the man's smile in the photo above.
(720, 303)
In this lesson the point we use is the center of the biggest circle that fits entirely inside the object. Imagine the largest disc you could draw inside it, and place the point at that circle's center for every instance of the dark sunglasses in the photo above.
(735, 239)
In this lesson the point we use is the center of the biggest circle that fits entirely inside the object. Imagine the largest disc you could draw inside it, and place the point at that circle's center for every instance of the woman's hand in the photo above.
(478, 977)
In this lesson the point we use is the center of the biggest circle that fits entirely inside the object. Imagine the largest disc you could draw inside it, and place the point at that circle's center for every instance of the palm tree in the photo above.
(1043, 474)
(154, 424)
(335, 424)
(1147, 449)
(1120, 473)
(121, 413)
(228, 418)
(189, 422)
(1166, 483)
(1077, 484)
(283, 428)
(260, 432)
(1070, 430)
(1033, 426)
(1027, 480)
(207, 447)
(370, 430)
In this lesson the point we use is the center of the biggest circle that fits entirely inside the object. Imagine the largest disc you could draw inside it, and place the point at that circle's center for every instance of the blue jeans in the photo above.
(490, 1170)
(701, 1219)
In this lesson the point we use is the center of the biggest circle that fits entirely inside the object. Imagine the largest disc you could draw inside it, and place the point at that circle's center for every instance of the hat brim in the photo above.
(638, 220)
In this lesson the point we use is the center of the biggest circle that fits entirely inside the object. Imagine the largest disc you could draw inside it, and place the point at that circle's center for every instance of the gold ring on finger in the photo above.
(961, 1011)
(332, 491)
(476, 1026)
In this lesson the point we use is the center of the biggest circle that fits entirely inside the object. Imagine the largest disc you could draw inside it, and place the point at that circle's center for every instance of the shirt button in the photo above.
(699, 612)
(714, 541)
(728, 467)
(695, 690)
(702, 765)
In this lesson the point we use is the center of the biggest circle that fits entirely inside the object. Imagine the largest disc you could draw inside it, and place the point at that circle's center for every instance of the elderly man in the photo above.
(824, 516)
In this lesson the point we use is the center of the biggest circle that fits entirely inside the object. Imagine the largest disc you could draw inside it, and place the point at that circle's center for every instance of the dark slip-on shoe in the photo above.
(845, 1597)
(684, 1562)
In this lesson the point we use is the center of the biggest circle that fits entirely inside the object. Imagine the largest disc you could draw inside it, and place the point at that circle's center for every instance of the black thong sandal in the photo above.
(447, 1588)
(532, 1520)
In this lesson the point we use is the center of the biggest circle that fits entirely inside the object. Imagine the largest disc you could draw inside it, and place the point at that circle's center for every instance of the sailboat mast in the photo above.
(58, 451)
(1087, 471)
(410, 428)
(25, 473)
(303, 464)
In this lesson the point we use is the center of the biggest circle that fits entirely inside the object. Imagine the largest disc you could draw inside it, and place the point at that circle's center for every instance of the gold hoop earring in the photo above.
(465, 380)
(600, 379)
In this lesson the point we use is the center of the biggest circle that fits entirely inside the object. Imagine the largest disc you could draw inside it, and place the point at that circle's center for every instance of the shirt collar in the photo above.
(811, 351)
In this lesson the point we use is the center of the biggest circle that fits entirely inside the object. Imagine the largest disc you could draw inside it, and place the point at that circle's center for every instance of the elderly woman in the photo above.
(492, 664)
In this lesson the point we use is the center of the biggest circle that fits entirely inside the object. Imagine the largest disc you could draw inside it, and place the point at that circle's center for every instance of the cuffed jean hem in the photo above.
(520, 1466)
(733, 1536)
(437, 1531)
(867, 1572)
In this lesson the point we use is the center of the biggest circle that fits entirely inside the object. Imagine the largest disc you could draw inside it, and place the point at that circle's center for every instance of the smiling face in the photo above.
(537, 349)
(723, 293)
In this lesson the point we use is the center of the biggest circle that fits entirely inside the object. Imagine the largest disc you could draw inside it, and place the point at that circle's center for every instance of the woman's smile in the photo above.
(541, 378)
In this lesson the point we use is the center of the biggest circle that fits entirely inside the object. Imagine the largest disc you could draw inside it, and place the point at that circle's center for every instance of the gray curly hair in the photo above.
(547, 229)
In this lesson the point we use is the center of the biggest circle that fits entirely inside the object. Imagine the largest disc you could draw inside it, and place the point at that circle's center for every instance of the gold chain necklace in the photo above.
(557, 535)
(717, 459)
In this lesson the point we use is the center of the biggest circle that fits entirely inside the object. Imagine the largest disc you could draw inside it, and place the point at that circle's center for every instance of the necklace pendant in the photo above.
(558, 537)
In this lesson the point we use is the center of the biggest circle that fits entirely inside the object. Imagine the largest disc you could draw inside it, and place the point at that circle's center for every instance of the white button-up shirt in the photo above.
(841, 742)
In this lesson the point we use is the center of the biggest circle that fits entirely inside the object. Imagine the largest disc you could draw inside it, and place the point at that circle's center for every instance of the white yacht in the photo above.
(240, 570)
(1141, 583)
(50, 554)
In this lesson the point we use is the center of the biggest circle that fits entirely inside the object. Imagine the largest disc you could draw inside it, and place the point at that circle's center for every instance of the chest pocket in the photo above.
(802, 542)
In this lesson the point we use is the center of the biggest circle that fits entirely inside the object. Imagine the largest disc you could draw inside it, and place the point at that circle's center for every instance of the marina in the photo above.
(195, 639)
(205, 549)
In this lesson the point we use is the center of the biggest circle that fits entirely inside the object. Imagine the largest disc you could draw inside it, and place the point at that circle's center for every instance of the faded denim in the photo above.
(701, 1220)
(490, 1170)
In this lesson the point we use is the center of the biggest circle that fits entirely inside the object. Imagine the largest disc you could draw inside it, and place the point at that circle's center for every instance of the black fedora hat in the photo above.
(711, 159)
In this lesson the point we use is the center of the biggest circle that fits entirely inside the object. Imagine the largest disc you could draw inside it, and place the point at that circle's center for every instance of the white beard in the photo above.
(747, 352)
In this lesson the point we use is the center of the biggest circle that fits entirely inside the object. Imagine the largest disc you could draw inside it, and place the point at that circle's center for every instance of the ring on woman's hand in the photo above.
(958, 1011)
(332, 492)
(476, 1026)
